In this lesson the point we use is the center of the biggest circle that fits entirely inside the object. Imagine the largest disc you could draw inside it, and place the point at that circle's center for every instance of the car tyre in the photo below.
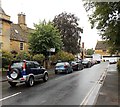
(13, 84)
(67, 71)
(30, 82)
(45, 78)
(56, 72)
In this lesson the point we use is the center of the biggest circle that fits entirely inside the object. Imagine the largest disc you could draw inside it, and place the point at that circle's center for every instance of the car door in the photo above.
(38, 70)
(30, 68)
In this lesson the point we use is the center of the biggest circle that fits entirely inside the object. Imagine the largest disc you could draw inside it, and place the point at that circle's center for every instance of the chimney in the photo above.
(83, 45)
(21, 20)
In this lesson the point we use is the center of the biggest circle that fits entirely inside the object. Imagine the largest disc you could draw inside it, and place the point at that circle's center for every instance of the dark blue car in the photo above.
(25, 71)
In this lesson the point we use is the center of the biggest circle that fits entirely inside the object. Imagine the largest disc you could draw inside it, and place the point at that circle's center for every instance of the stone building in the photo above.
(14, 37)
(5, 26)
(102, 48)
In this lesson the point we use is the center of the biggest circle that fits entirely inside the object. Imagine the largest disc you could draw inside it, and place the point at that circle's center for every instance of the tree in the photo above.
(70, 32)
(44, 37)
(39, 58)
(90, 51)
(106, 18)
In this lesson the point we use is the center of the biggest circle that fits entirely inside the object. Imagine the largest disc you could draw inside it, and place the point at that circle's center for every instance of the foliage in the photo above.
(90, 51)
(44, 37)
(63, 56)
(6, 59)
(70, 32)
(106, 18)
(23, 56)
(39, 58)
(118, 66)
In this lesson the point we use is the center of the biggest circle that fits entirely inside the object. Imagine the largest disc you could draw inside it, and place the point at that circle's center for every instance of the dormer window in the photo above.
(16, 31)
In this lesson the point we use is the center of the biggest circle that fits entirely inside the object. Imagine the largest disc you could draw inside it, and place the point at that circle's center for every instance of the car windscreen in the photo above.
(17, 64)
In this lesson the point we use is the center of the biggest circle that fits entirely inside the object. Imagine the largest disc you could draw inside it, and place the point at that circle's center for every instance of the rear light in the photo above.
(65, 66)
(24, 66)
(22, 79)
(9, 67)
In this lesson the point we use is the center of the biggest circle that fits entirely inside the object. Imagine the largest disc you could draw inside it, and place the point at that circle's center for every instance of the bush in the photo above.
(118, 66)
(63, 56)
(23, 56)
(39, 58)
(7, 57)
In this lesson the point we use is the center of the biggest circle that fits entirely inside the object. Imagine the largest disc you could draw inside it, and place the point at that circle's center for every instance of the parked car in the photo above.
(25, 71)
(63, 67)
(86, 63)
(112, 61)
(76, 65)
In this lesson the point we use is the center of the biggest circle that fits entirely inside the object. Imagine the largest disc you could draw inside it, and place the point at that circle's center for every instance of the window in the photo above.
(21, 46)
(104, 50)
(36, 65)
(30, 65)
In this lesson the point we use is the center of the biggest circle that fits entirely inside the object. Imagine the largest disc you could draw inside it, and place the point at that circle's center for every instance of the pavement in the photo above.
(109, 93)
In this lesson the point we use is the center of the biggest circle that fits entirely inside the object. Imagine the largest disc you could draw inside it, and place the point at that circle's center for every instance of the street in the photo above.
(63, 89)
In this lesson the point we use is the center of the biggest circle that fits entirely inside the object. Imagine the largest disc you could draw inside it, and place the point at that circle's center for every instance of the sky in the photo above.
(36, 10)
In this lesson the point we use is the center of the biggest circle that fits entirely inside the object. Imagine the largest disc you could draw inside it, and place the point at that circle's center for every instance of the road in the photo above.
(63, 89)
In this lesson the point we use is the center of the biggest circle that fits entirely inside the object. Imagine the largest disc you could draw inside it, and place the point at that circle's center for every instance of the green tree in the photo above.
(44, 37)
(90, 51)
(39, 58)
(106, 18)
(70, 32)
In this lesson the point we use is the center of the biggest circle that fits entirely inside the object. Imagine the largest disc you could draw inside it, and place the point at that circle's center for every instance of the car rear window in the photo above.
(17, 64)
(59, 64)
(74, 62)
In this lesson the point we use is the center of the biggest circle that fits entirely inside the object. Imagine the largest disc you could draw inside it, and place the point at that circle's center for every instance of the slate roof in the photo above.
(18, 34)
(2, 11)
(101, 45)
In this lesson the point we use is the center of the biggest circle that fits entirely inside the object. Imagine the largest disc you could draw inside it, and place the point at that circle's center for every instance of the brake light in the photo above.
(9, 67)
(24, 66)
(65, 66)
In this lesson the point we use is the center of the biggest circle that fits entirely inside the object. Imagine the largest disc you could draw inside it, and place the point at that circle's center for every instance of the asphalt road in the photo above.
(63, 89)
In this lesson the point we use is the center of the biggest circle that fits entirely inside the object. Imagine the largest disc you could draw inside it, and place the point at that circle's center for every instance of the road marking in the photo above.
(10, 96)
(98, 83)
(88, 94)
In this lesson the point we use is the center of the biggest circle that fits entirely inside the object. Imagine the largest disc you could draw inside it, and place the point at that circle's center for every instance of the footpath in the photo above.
(109, 94)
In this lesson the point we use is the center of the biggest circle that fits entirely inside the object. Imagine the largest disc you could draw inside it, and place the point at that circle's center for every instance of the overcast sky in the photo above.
(36, 10)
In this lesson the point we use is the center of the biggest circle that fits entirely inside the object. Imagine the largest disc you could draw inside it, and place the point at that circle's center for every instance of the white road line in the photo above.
(9, 96)
(102, 78)
(88, 94)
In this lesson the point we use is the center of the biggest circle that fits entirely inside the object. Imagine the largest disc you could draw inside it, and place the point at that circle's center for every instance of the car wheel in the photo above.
(56, 72)
(30, 82)
(45, 78)
(67, 71)
(13, 84)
